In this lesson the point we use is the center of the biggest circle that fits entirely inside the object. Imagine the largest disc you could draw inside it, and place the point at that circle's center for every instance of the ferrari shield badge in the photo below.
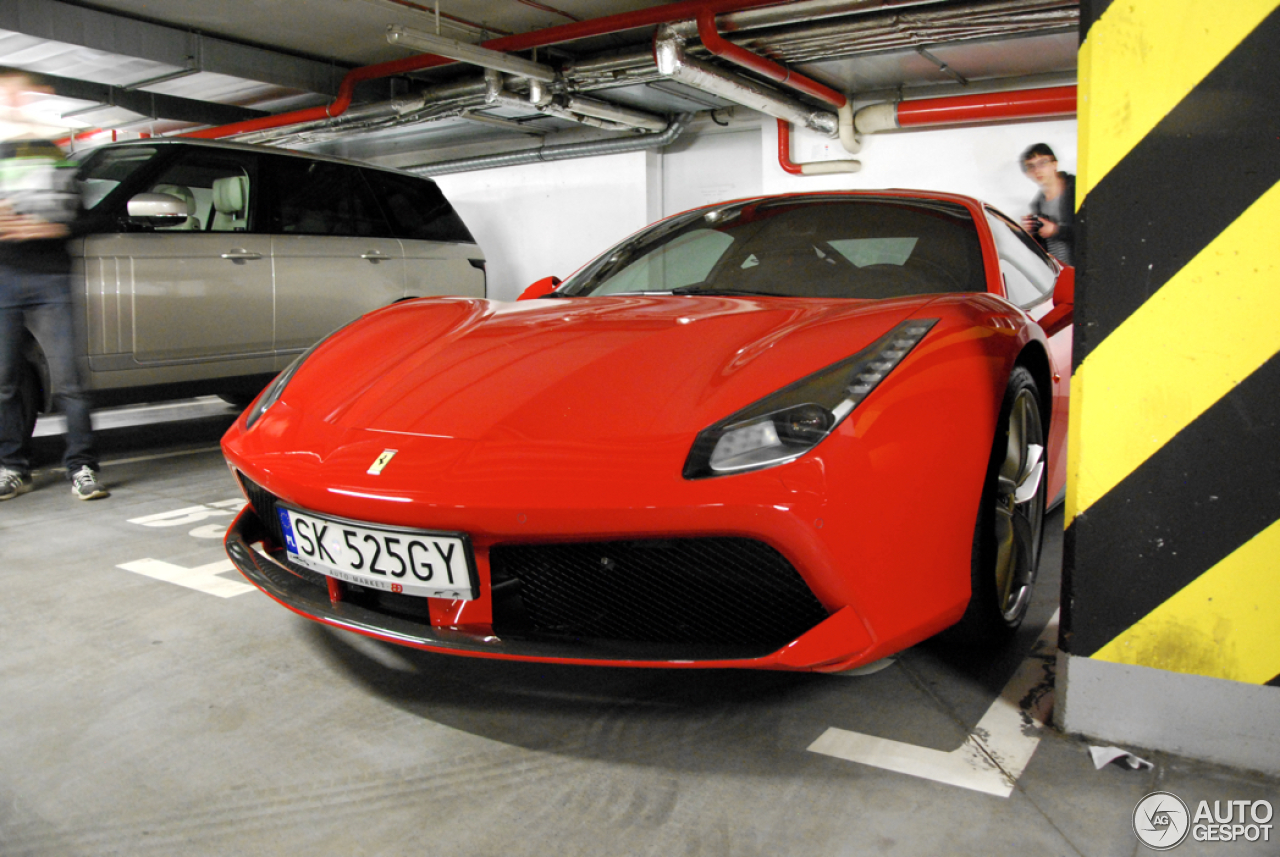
(381, 461)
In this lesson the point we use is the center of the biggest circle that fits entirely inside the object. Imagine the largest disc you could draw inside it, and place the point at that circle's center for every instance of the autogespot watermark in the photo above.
(1162, 821)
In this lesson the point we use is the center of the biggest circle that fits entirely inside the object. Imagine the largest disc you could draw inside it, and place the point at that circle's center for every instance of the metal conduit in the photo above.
(808, 10)
(404, 110)
(518, 42)
(557, 153)
(841, 38)
(763, 66)
(869, 31)
(807, 41)
(673, 62)
(585, 111)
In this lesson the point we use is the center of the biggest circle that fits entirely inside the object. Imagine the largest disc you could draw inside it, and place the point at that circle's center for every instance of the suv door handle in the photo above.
(240, 253)
(375, 256)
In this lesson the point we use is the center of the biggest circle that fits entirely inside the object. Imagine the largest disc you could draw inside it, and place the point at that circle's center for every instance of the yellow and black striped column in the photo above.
(1173, 502)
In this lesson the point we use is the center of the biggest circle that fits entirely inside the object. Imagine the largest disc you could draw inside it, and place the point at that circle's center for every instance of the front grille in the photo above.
(691, 598)
(264, 504)
(696, 591)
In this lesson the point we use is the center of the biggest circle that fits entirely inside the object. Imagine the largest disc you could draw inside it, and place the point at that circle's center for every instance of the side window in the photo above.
(105, 169)
(417, 209)
(219, 189)
(1029, 272)
(322, 198)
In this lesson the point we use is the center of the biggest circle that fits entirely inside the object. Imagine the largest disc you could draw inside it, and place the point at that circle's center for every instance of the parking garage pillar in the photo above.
(1171, 592)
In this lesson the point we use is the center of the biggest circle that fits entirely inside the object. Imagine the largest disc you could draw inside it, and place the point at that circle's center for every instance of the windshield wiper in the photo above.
(703, 290)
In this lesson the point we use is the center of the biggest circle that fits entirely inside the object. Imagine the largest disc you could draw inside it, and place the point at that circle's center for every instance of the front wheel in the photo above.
(1007, 537)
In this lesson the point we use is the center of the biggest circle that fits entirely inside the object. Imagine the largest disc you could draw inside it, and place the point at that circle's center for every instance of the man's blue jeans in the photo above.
(43, 303)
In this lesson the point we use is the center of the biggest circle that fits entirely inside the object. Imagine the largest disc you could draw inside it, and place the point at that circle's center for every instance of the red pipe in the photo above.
(784, 149)
(958, 110)
(69, 141)
(721, 47)
(961, 109)
(666, 13)
(314, 114)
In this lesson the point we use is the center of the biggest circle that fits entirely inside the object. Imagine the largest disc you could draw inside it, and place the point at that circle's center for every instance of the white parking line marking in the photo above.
(190, 514)
(997, 752)
(209, 531)
(202, 578)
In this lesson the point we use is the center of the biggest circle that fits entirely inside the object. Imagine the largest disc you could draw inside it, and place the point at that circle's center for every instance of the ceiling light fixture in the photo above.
(473, 54)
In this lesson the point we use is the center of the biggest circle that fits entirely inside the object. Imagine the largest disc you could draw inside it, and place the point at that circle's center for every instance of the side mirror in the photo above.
(1064, 298)
(1064, 291)
(158, 209)
(542, 287)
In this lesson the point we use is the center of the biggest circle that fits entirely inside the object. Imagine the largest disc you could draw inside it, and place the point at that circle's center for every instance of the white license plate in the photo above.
(411, 562)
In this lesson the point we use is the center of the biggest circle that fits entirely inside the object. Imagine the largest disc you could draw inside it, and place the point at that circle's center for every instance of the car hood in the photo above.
(615, 368)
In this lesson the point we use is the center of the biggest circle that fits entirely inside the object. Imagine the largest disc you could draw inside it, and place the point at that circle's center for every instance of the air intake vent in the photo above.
(704, 591)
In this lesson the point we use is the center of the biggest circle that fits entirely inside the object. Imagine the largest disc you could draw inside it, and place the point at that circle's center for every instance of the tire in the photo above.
(1010, 524)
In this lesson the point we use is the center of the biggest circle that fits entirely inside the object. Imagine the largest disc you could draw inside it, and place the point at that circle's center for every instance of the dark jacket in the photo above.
(1065, 240)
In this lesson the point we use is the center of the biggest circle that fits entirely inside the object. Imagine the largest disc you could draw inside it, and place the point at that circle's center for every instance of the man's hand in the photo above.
(24, 227)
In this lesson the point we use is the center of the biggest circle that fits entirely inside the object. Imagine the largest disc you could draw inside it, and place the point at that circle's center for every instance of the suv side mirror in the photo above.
(1064, 298)
(158, 209)
(542, 287)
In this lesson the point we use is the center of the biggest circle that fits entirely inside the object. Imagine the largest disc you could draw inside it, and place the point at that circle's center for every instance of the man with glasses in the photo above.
(1053, 211)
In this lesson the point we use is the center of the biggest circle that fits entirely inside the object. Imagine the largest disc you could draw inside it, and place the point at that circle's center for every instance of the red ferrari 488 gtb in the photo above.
(791, 432)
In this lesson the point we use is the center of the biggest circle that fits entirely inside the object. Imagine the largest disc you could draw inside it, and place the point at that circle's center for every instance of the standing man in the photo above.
(37, 217)
(1053, 211)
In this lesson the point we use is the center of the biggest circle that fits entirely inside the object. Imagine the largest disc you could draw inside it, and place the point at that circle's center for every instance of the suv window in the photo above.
(417, 209)
(105, 169)
(1029, 272)
(220, 188)
(321, 198)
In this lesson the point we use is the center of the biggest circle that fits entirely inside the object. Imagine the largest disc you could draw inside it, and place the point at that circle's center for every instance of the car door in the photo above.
(440, 256)
(167, 300)
(335, 258)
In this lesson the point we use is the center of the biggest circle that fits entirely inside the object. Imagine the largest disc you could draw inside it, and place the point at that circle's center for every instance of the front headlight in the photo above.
(787, 424)
(273, 391)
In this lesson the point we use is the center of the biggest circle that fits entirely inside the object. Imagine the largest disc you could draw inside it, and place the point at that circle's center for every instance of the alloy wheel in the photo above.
(1019, 508)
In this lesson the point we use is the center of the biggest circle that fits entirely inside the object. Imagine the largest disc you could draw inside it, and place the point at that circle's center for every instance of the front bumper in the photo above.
(837, 642)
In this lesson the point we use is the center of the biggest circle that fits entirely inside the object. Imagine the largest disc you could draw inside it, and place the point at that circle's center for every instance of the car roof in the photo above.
(974, 205)
(248, 147)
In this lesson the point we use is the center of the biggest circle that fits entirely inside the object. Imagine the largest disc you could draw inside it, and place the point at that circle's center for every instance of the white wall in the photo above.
(705, 168)
(551, 218)
(977, 161)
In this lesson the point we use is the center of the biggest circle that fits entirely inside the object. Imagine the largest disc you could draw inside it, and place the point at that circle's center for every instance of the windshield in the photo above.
(827, 247)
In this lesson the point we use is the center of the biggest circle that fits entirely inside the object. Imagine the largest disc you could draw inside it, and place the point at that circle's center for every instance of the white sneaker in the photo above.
(13, 483)
(85, 485)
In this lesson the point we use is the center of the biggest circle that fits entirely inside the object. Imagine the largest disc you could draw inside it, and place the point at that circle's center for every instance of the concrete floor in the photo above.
(142, 716)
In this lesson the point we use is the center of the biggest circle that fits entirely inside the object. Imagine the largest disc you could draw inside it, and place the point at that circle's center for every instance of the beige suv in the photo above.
(218, 263)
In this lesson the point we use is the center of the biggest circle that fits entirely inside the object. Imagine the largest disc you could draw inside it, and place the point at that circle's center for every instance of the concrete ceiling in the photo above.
(165, 66)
